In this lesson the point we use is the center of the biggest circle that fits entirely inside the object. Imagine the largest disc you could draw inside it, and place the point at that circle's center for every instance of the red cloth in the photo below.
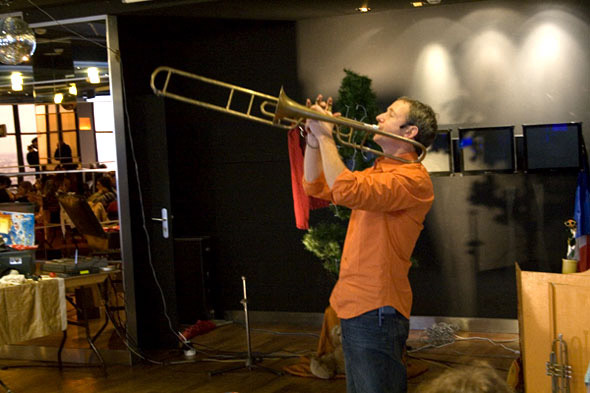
(301, 202)
(199, 328)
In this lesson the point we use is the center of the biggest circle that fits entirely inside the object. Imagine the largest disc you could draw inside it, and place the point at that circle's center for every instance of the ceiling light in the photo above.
(58, 98)
(417, 3)
(132, 1)
(364, 7)
(433, 1)
(16, 78)
(72, 89)
(93, 75)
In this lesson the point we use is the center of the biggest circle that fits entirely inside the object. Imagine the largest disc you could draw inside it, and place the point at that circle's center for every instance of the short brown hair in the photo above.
(423, 117)
(480, 379)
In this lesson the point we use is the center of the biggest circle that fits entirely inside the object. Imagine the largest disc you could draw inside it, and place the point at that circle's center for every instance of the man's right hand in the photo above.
(316, 127)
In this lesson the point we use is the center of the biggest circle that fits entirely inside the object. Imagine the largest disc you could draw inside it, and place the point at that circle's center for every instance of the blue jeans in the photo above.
(373, 345)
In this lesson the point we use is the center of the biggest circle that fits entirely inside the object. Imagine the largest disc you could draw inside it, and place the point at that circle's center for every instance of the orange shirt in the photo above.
(389, 202)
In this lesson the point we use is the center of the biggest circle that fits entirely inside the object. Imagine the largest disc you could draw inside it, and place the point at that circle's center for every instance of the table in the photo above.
(32, 310)
(87, 279)
(77, 282)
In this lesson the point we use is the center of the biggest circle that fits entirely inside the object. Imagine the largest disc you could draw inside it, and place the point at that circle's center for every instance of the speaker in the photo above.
(193, 269)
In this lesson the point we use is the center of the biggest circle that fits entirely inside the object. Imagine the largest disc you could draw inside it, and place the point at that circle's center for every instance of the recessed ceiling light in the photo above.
(16, 79)
(93, 75)
(364, 7)
(417, 3)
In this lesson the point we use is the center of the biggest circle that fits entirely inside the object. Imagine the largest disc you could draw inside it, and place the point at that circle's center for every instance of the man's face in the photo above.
(392, 121)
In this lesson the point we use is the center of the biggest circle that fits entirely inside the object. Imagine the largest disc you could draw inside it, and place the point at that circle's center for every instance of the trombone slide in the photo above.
(287, 113)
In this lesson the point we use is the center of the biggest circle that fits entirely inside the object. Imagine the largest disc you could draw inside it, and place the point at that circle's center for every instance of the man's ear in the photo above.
(411, 132)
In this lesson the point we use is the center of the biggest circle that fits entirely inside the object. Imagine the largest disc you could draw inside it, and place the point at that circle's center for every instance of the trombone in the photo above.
(281, 111)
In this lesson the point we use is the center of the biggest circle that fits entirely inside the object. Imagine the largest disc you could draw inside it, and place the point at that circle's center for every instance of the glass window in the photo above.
(28, 127)
(42, 138)
(8, 158)
(104, 124)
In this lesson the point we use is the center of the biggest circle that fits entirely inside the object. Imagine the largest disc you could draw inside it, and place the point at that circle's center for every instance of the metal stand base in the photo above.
(250, 365)
(5, 387)
(251, 360)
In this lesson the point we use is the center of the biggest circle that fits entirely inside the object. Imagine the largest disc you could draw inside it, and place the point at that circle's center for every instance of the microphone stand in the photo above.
(251, 360)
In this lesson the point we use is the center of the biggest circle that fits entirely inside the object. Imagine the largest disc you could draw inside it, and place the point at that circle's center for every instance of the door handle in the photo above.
(164, 221)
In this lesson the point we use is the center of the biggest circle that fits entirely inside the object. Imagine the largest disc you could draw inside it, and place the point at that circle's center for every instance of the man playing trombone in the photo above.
(389, 202)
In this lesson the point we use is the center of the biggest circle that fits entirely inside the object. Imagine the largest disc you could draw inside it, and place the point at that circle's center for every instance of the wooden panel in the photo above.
(571, 306)
(551, 304)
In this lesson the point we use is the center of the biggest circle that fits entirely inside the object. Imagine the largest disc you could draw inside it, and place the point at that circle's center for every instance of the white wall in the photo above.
(485, 63)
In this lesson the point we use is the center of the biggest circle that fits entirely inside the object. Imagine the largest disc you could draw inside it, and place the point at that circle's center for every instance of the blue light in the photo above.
(559, 127)
(466, 142)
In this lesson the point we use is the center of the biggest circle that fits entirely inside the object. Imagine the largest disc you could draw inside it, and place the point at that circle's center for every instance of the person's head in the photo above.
(34, 142)
(483, 379)
(24, 187)
(66, 185)
(5, 182)
(408, 118)
(104, 184)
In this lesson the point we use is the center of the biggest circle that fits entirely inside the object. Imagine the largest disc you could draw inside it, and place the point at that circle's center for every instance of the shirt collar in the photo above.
(385, 162)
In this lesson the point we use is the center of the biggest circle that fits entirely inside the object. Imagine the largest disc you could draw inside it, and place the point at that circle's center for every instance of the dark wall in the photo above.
(477, 64)
(479, 226)
(230, 180)
(230, 177)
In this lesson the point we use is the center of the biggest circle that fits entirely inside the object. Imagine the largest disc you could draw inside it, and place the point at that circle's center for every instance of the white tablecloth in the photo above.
(31, 310)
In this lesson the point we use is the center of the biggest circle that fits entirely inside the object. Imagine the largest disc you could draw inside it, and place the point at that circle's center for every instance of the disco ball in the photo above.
(17, 41)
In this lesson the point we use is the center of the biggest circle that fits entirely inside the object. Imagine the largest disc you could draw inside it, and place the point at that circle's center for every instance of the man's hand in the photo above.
(321, 131)
(320, 128)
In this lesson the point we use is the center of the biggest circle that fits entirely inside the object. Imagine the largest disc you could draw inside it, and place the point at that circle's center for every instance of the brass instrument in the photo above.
(558, 368)
(285, 112)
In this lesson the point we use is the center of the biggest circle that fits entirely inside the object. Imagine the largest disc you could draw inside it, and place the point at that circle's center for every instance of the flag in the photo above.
(582, 217)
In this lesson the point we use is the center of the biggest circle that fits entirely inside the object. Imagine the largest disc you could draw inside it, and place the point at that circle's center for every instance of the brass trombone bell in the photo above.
(285, 112)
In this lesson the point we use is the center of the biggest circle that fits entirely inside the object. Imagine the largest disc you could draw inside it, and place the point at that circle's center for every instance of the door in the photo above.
(151, 223)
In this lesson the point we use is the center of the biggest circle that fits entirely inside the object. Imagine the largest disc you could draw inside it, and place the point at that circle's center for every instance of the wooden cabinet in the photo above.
(551, 304)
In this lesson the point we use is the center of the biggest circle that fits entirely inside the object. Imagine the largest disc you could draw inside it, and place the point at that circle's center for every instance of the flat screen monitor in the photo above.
(438, 156)
(17, 224)
(552, 146)
(487, 149)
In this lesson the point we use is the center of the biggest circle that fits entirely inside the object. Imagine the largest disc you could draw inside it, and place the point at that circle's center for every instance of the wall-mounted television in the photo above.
(486, 149)
(438, 158)
(552, 146)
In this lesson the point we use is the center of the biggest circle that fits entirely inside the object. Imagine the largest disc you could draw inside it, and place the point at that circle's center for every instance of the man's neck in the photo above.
(399, 150)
